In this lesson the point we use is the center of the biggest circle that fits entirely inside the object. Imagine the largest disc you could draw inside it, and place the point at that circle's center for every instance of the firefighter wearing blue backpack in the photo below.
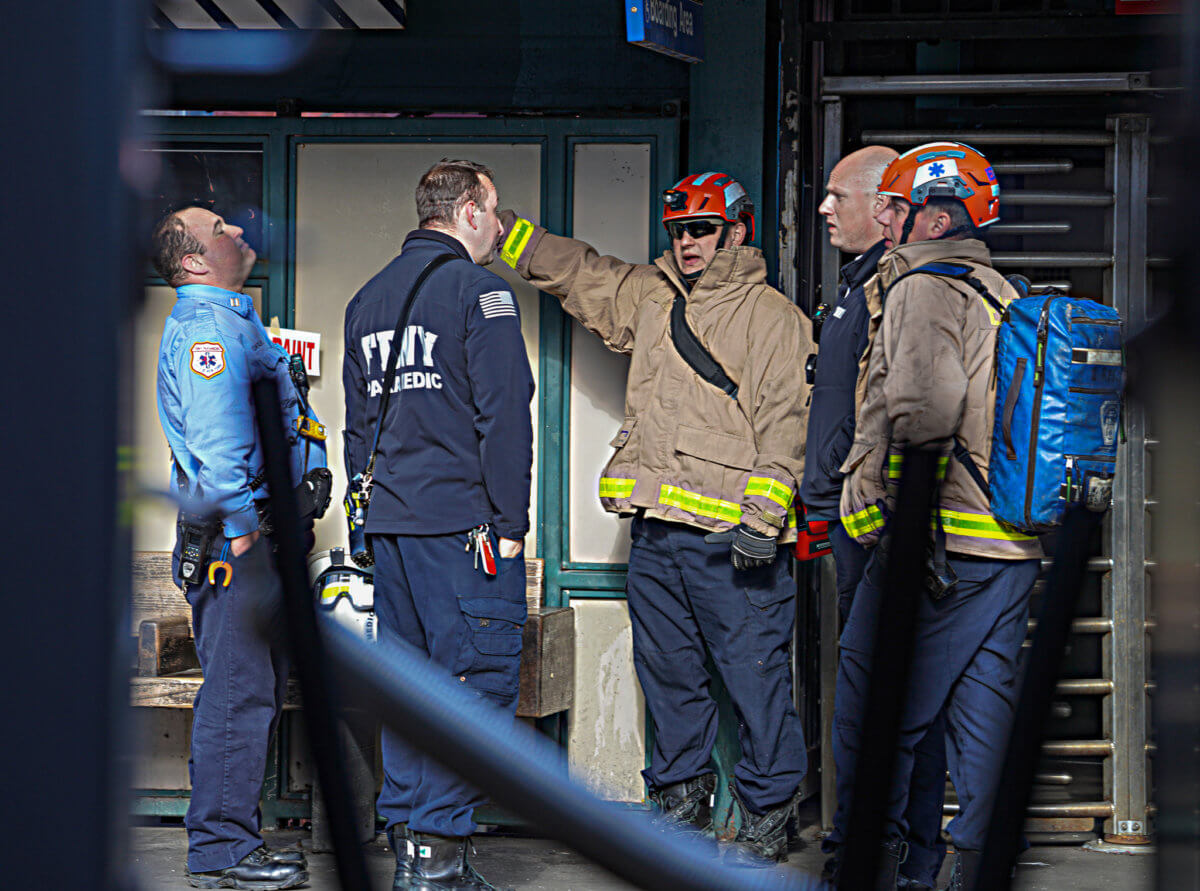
(936, 304)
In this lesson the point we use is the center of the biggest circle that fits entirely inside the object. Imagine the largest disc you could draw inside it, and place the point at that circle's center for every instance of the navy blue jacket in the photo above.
(456, 447)
(831, 414)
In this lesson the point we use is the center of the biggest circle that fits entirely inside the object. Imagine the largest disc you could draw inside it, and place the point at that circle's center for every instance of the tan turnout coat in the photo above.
(686, 451)
(927, 378)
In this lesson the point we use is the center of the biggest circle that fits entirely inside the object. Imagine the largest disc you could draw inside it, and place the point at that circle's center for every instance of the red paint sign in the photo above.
(306, 343)
(1148, 7)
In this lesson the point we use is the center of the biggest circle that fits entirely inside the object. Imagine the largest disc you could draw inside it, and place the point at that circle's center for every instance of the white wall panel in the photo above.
(611, 211)
(354, 205)
(607, 725)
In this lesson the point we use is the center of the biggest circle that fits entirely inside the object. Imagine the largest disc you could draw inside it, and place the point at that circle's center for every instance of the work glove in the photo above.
(749, 549)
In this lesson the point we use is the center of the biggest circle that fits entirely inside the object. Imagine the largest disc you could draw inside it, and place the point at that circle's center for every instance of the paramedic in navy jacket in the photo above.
(451, 482)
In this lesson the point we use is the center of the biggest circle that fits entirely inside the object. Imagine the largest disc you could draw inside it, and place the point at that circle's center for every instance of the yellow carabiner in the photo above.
(212, 572)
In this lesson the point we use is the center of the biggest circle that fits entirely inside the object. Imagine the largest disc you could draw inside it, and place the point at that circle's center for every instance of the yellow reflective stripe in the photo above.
(896, 465)
(614, 487)
(864, 521)
(700, 505)
(766, 487)
(979, 526)
(516, 241)
(791, 523)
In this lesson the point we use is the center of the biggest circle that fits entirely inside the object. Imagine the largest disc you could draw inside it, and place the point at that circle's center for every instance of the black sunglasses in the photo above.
(694, 228)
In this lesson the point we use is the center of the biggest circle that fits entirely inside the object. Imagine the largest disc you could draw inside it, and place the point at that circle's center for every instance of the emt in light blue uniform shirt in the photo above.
(213, 348)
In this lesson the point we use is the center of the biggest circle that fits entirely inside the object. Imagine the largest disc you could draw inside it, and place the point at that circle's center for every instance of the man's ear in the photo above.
(194, 264)
(878, 203)
(737, 235)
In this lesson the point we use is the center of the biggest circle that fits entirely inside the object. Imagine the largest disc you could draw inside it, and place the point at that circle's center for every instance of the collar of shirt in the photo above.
(440, 237)
(239, 303)
(863, 266)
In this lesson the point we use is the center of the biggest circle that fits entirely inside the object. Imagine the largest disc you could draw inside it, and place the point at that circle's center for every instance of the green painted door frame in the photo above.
(279, 139)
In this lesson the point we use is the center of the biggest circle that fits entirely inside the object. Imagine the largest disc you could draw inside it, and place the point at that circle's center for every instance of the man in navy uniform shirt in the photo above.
(451, 489)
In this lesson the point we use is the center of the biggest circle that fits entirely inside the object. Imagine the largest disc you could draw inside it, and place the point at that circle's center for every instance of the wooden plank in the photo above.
(155, 595)
(179, 691)
(165, 646)
(547, 663)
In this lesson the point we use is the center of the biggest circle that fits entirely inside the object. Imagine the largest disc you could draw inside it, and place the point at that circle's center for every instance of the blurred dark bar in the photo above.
(69, 251)
(299, 618)
(907, 544)
(1042, 668)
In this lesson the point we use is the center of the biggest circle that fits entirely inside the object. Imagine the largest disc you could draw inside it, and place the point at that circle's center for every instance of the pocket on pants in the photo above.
(493, 642)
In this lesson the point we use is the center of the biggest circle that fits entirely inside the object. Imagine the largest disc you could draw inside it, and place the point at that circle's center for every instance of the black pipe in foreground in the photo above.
(1016, 778)
(521, 770)
(511, 763)
(906, 544)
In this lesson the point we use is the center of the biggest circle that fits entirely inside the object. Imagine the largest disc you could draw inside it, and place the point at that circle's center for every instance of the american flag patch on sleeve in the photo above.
(496, 304)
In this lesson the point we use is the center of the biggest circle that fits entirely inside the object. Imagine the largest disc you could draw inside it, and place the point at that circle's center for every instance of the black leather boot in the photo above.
(440, 864)
(893, 853)
(761, 840)
(286, 855)
(686, 808)
(402, 845)
(904, 883)
(966, 871)
(831, 868)
(257, 870)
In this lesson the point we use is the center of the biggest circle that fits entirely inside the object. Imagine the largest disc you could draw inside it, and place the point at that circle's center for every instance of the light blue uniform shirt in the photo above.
(214, 346)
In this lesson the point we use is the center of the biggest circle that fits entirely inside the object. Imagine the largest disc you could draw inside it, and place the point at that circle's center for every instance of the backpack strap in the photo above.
(959, 271)
(695, 353)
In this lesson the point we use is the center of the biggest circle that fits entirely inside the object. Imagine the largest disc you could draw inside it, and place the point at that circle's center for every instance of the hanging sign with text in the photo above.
(672, 27)
(306, 343)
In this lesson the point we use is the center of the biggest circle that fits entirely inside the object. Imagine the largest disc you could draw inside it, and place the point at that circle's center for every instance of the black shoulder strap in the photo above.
(389, 374)
(694, 352)
(959, 271)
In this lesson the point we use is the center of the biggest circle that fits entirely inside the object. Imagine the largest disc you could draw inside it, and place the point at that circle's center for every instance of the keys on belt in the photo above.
(485, 556)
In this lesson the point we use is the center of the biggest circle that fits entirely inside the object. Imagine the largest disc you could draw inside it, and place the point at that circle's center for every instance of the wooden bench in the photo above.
(168, 672)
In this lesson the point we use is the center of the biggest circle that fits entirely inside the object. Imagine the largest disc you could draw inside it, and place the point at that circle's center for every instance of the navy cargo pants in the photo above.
(684, 596)
(965, 670)
(236, 709)
(927, 791)
(429, 593)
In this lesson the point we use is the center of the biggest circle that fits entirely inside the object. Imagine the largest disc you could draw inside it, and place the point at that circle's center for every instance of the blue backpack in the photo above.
(1059, 371)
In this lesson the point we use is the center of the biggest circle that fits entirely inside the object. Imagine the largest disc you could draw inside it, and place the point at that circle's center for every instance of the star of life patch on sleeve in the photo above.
(208, 359)
(497, 304)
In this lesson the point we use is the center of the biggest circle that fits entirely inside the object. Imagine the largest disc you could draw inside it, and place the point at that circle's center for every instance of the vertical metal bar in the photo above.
(831, 151)
(827, 588)
(1126, 778)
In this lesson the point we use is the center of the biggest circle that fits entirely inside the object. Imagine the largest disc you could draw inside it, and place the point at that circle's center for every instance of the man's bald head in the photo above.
(850, 200)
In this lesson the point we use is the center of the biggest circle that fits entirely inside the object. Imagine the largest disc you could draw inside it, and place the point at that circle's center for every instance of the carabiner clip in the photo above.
(222, 565)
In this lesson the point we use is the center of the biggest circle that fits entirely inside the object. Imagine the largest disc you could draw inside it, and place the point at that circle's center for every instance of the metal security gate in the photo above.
(1075, 214)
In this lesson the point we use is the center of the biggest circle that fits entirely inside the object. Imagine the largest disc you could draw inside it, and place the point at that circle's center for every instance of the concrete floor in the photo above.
(542, 865)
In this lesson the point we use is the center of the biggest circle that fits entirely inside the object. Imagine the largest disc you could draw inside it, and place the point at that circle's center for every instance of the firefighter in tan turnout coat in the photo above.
(696, 456)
